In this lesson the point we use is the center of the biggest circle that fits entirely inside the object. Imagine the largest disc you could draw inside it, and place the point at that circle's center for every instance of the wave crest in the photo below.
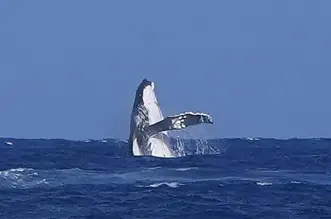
(169, 184)
(20, 178)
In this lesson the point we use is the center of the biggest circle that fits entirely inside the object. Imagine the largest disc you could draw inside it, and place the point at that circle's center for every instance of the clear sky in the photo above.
(70, 69)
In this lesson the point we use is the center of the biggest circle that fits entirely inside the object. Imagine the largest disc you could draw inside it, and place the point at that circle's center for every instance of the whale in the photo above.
(149, 129)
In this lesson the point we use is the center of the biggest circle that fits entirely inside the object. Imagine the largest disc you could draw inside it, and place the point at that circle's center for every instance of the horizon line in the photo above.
(183, 138)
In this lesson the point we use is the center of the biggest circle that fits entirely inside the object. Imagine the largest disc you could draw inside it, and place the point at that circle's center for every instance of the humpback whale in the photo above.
(149, 129)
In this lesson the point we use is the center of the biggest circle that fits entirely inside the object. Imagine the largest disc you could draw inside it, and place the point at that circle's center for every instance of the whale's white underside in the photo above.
(159, 146)
(148, 129)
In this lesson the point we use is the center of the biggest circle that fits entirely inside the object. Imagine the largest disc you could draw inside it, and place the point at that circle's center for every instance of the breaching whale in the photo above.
(148, 127)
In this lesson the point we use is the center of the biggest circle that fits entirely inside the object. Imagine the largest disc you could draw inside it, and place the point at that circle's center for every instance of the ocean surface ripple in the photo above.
(225, 178)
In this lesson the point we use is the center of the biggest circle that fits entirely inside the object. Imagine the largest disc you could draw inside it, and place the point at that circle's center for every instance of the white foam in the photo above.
(154, 168)
(252, 139)
(264, 183)
(6, 172)
(20, 178)
(169, 184)
(186, 169)
(9, 143)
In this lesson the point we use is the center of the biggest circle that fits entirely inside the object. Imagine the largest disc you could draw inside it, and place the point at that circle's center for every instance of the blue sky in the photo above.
(69, 69)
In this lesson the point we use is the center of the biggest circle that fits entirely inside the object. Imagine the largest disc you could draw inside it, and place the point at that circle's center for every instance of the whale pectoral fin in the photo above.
(178, 122)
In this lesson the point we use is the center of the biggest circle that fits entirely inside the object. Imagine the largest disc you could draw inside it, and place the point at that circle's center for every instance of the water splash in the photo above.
(185, 147)
(20, 178)
(180, 149)
(203, 147)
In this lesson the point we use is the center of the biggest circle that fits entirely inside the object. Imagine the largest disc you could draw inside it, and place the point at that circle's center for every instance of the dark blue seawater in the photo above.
(249, 178)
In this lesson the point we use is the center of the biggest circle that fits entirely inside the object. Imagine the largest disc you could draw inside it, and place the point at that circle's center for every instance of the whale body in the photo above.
(149, 129)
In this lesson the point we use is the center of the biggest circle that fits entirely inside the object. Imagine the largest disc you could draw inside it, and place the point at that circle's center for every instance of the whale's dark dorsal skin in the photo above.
(148, 127)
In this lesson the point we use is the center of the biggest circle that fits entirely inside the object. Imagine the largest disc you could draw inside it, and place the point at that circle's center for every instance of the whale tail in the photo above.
(178, 122)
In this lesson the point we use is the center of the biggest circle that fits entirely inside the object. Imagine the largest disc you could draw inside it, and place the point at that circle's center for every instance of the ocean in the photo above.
(219, 178)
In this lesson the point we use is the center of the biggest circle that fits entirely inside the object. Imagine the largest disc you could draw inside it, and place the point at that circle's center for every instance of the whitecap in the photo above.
(169, 184)
(20, 178)
(264, 183)
(154, 168)
(186, 169)
(9, 143)
(252, 139)
(14, 170)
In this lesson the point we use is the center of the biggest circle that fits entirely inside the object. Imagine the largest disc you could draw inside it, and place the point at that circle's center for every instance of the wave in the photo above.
(301, 151)
(22, 178)
(264, 183)
(154, 168)
(46, 142)
(169, 184)
(182, 147)
(186, 169)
